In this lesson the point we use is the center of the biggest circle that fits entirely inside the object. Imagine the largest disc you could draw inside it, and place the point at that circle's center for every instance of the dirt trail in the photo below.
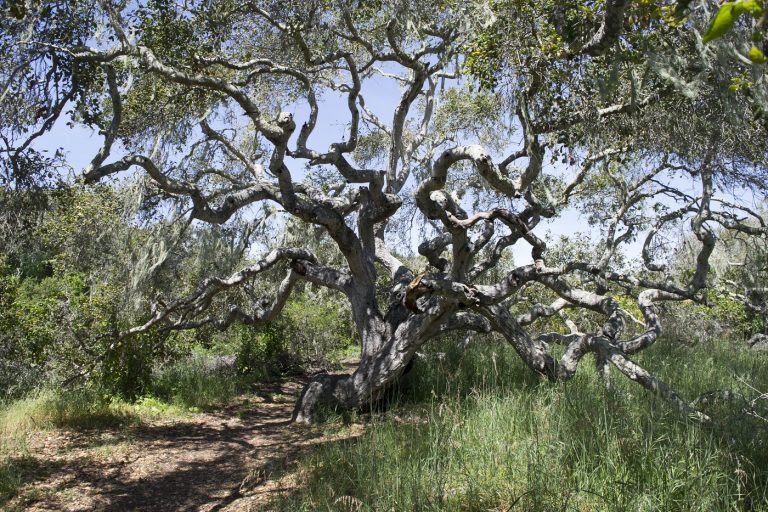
(232, 458)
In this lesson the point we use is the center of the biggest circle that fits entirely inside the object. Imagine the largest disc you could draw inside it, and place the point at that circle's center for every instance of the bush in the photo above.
(308, 332)
(316, 329)
(721, 319)
(49, 328)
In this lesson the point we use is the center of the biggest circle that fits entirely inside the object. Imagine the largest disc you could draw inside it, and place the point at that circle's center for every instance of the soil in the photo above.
(237, 457)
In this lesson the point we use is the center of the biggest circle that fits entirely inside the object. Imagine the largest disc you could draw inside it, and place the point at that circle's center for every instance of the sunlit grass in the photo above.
(192, 383)
(69, 409)
(486, 434)
(186, 386)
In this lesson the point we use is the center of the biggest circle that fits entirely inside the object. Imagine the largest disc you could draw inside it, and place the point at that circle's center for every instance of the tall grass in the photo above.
(198, 381)
(478, 431)
(77, 408)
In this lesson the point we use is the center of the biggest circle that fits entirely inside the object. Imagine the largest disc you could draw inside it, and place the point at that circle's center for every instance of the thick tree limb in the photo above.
(609, 30)
(198, 301)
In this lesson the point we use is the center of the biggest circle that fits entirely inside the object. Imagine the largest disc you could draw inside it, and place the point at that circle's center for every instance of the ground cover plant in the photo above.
(474, 431)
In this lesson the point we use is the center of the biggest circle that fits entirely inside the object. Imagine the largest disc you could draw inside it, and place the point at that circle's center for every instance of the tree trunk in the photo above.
(373, 377)
(324, 391)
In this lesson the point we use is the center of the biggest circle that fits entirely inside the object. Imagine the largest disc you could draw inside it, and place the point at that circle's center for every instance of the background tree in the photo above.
(509, 114)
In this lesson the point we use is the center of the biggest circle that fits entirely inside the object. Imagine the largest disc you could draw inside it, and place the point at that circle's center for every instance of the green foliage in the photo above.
(79, 227)
(733, 313)
(727, 15)
(125, 367)
(62, 325)
(9, 284)
(37, 311)
(722, 22)
(629, 304)
(545, 31)
(482, 60)
(372, 148)
(471, 115)
(197, 381)
(307, 332)
(317, 327)
(150, 99)
(756, 55)
(61, 307)
(164, 29)
(51, 323)
(722, 317)
(258, 348)
(730, 312)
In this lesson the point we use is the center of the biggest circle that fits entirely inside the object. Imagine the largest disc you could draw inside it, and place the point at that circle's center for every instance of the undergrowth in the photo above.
(475, 430)
(197, 382)
(178, 389)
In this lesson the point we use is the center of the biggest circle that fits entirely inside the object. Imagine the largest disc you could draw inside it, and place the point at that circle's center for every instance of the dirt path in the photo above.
(233, 458)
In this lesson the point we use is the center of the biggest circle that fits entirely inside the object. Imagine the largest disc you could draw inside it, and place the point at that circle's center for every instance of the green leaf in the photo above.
(722, 22)
(756, 55)
(753, 7)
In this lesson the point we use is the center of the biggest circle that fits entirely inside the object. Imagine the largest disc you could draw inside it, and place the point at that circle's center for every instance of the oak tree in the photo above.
(504, 118)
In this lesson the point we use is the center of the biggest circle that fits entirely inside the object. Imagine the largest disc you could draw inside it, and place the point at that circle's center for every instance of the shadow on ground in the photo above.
(223, 459)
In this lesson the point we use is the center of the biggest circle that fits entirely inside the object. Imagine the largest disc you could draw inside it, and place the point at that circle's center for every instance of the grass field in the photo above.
(477, 431)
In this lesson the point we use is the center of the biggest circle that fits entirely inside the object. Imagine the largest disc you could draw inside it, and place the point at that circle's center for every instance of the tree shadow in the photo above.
(205, 462)
(274, 491)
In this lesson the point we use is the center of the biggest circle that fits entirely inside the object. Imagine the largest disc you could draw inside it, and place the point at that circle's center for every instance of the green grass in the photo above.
(76, 409)
(477, 431)
(10, 478)
(47, 410)
(184, 387)
(190, 383)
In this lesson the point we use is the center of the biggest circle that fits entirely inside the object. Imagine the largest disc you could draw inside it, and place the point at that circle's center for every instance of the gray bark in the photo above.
(758, 342)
